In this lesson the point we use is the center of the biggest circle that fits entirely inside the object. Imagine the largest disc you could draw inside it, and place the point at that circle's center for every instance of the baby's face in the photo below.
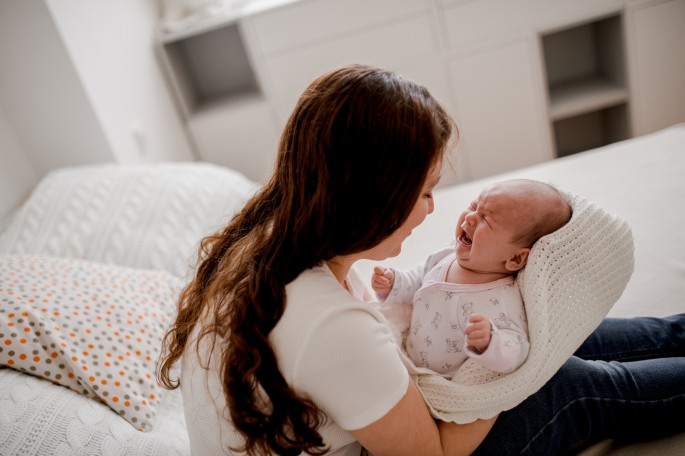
(486, 230)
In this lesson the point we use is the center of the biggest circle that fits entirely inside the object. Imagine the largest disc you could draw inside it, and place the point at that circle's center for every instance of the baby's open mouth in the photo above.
(464, 238)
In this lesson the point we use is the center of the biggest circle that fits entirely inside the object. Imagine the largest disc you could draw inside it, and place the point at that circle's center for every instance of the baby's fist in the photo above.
(382, 281)
(478, 332)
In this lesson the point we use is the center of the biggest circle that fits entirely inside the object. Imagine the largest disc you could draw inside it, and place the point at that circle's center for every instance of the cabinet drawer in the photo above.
(310, 21)
(388, 47)
(479, 21)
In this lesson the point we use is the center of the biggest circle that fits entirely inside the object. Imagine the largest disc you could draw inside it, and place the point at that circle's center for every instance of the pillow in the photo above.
(91, 327)
(144, 216)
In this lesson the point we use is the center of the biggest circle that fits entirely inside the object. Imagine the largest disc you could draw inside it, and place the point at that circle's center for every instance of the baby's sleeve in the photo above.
(508, 349)
(408, 282)
(509, 343)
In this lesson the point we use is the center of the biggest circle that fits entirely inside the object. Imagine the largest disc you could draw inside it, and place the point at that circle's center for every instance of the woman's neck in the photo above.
(340, 267)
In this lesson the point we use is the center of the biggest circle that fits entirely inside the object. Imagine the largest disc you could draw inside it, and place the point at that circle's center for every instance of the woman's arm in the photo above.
(458, 439)
(409, 429)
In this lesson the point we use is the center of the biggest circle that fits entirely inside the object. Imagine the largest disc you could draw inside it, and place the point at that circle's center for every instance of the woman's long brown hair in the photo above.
(352, 162)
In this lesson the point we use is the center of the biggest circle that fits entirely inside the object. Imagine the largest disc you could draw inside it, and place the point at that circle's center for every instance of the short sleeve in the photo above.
(350, 367)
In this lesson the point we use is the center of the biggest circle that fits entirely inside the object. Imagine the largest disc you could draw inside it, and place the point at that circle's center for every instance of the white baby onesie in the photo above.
(441, 311)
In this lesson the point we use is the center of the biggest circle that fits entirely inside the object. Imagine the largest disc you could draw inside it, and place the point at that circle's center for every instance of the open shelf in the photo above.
(586, 83)
(590, 130)
(591, 94)
(210, 68)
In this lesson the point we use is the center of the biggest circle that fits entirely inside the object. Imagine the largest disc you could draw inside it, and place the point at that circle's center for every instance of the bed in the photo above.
(113, 245)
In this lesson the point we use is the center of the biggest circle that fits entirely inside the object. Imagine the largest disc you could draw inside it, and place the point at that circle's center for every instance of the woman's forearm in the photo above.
(463, 439)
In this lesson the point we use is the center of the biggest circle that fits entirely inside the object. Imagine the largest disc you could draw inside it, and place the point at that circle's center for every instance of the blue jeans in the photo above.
(626, 382)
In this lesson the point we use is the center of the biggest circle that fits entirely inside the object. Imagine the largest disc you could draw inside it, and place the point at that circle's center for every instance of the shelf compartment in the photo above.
(585, 52)
(578, 97)
(590, 130)
(210, 68)
(586, 84)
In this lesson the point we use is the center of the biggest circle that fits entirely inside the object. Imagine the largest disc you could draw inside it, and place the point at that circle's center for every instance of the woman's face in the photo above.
(392, 245)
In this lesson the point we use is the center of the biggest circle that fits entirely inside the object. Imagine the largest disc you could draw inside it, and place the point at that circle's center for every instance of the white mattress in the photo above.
(40, 418)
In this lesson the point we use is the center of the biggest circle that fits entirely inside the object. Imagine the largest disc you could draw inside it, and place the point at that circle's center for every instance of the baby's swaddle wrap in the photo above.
(572, 279)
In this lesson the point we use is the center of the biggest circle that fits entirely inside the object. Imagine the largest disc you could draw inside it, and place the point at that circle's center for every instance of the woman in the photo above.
(280, 353)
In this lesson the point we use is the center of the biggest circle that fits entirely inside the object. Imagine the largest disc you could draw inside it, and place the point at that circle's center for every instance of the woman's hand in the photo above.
(463, 439)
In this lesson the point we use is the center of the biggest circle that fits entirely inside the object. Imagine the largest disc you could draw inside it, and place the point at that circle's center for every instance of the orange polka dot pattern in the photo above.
(94, 328)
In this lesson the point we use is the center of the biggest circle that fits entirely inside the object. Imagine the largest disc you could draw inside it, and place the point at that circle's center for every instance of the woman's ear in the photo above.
(518, 260)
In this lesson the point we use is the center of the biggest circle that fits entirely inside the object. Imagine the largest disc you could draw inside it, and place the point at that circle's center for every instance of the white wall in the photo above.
(79, 79)
(44, 103)
(16, 172)
(111, 44)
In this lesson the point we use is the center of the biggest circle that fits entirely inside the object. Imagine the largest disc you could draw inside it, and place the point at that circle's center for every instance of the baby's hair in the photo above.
(548, 219)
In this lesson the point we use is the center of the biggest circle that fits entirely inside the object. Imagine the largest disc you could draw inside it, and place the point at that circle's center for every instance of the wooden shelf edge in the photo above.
(584, 96)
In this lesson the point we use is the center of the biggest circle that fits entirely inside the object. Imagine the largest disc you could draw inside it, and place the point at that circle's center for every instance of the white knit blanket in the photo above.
(573, 277)
(40, 418)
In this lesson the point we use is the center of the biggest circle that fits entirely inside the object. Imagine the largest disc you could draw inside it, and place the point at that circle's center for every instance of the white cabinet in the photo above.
(501, 108)
(240, 134)
(221, 99)
(586, 83)
(526, 81)
(656, 38)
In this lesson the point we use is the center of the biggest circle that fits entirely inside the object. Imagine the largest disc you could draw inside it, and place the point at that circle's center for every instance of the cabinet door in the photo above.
(240, 135)
(499, 95)
(658, 66)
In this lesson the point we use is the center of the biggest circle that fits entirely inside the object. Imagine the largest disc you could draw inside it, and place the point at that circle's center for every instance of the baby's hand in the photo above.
(478, 332)
(382, 281)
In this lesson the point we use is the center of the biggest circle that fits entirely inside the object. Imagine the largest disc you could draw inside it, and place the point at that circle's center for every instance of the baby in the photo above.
(466, 303)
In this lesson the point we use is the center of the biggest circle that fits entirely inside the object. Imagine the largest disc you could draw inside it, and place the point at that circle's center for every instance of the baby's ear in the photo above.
(518, 260)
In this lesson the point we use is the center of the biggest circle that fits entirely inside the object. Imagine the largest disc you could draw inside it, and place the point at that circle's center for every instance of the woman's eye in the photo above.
(428, 195)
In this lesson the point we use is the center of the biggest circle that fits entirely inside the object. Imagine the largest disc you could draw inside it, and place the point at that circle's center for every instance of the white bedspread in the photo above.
(40, 418)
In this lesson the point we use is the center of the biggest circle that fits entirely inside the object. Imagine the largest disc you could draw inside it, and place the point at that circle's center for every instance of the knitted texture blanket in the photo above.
(572, 279)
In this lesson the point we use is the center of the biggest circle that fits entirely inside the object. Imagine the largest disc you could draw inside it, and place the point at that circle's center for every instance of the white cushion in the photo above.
(145, 216)
(92, 327)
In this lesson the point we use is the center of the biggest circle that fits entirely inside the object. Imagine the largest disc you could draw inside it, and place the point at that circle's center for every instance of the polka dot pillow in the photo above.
(94, 328)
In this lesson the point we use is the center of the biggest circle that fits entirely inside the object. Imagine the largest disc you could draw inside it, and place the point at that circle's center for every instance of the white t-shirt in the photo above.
(331, 346)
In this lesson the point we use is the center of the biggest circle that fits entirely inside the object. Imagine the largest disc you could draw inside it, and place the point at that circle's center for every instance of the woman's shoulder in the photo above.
(317, 291)
(316, 301)
(319, 311)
